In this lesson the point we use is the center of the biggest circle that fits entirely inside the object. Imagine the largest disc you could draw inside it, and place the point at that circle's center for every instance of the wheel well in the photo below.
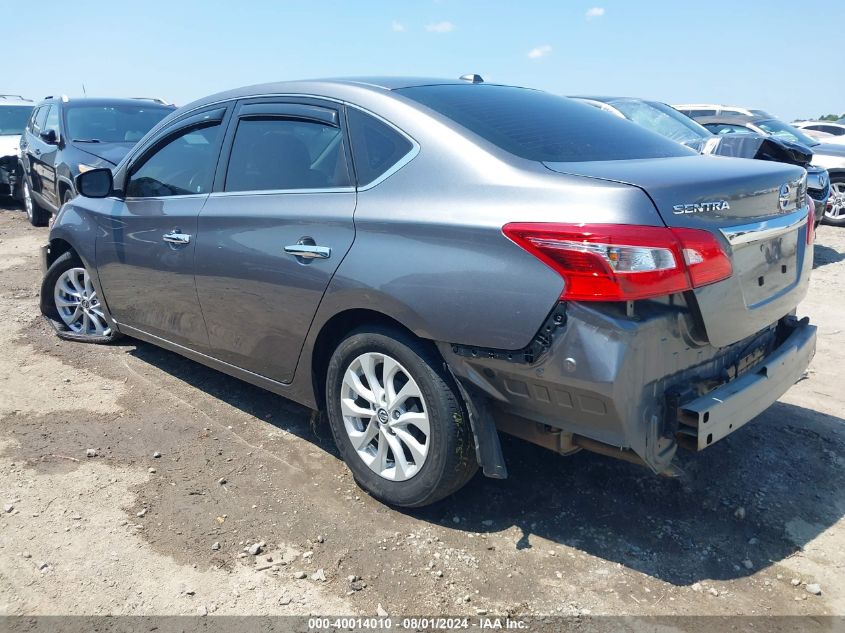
(63, 187)
(836, 173)
(58, 247)
(333, 332)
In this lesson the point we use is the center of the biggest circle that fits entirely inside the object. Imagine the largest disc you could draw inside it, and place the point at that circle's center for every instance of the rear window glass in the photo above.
(541, 126)
(376, 146)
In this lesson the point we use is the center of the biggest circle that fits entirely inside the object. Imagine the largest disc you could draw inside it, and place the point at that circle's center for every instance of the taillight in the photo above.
(620, 262)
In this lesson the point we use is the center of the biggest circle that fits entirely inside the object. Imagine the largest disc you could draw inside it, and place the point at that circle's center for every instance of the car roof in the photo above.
(607, 100)
(105, 101)
(736, 119)
(817, 122)
(337, 87)
(15, 100)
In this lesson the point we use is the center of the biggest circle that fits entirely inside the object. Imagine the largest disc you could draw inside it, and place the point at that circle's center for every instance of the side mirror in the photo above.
(49, 137)
(95, 183)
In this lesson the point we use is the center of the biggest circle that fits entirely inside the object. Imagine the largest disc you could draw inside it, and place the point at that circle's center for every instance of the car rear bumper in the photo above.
(642, 384)
(725, 409)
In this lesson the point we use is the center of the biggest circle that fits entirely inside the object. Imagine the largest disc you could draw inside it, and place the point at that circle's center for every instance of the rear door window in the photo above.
(278, 153)
(52, 120)
(540, 126)
(376, 147)
(38, 119)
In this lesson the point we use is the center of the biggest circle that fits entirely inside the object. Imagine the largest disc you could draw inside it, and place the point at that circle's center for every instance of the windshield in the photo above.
(112, 124)
(540, 126)
(13, 119)
(660, 118)
(782, 130)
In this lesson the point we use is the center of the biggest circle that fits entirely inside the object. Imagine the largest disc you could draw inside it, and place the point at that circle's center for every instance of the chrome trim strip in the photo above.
(270, 192)
(177, 197)
(766, 229)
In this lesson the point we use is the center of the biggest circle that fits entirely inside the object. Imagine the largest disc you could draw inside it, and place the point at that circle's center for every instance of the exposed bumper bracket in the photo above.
(726, 408)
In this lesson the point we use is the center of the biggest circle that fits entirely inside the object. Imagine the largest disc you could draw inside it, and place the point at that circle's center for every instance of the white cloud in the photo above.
(595, 12)
(539, 51)
(440, 27)
(397, 26)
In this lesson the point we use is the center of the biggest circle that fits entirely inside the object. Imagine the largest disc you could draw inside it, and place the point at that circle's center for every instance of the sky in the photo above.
(751, 53)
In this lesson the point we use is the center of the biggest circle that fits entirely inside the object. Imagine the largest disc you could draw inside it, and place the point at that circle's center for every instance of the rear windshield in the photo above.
(112, 123)
(541, 126)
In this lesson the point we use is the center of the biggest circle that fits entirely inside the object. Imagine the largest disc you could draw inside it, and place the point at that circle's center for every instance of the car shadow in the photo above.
(749, 501)
(824, 255)
(255, 401)
(745, 503)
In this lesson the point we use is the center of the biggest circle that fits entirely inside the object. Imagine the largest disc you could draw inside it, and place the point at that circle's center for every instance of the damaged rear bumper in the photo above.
(637, 385)
(722, 411)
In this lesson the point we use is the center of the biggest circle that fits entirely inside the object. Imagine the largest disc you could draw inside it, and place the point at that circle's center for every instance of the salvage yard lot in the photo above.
(126, 532)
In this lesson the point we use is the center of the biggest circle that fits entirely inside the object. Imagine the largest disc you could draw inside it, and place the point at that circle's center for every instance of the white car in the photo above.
(693, 110)
(825, 131)
(14, 113)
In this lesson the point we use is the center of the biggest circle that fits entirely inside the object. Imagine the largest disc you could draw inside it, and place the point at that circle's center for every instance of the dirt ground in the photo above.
(758, 517)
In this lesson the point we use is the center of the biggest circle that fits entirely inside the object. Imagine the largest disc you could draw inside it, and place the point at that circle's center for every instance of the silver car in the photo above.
(432, 262)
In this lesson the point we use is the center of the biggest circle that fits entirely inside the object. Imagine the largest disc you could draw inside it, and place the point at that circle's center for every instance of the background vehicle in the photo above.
(693, 110)
(14, 112)
(65, 137)
(829, 156)
(665, 120)
(823, 131)
(428, 259)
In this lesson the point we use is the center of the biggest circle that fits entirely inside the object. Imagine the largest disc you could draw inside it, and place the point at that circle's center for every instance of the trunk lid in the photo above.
(758, 211)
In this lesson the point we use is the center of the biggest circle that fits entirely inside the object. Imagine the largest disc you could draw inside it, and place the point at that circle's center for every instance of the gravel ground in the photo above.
(134, 481)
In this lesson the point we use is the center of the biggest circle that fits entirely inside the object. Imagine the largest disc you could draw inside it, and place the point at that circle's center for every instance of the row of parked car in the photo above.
(44, 147)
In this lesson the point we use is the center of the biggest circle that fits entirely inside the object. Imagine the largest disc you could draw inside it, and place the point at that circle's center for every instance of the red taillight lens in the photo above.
(619, 262)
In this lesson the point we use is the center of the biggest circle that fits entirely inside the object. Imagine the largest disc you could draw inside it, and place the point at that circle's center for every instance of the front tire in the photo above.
(397, 418)
(70, 302)
(835, 216)
(36, 214)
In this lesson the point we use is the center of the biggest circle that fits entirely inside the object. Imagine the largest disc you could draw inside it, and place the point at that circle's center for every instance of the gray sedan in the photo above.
(432, 262)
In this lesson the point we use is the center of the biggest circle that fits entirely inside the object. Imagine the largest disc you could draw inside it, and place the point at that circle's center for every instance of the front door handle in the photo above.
(309, 251)
(175, 237)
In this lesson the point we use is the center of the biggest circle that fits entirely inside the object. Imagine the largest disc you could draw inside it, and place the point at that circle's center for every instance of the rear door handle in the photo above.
(309, 251)
(176, 237)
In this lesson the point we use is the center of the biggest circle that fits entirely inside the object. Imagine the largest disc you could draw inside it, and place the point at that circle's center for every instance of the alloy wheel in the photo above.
(27, 201)
(385, 416)
(78, 305)
(837, 203)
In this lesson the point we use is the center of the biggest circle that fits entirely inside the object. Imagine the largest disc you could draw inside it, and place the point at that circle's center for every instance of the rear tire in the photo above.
(836, 215)
(421, 417)
(17, 192)
(36, 214)
(70, 302)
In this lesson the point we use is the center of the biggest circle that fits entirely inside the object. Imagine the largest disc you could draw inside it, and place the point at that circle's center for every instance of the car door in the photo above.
(145, 255)
(33, 150)
(274, 233)
(47, 149)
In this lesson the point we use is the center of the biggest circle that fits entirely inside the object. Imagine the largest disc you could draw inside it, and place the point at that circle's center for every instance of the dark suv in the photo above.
(65, 137)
